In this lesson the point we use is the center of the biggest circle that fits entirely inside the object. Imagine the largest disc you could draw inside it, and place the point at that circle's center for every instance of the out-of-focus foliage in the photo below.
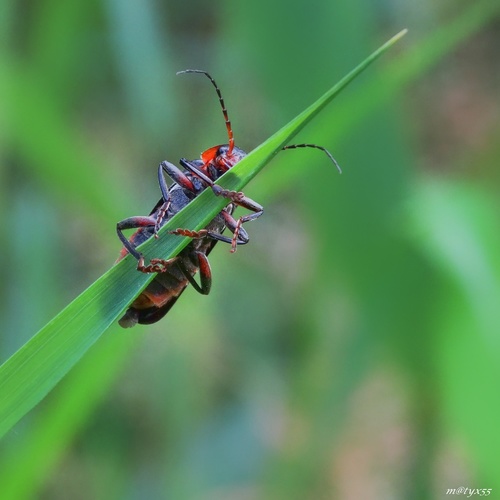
(352, 349)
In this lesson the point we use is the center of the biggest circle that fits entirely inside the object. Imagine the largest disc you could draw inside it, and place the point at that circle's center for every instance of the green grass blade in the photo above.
(24, 468)
(39, 365)
(260, 156)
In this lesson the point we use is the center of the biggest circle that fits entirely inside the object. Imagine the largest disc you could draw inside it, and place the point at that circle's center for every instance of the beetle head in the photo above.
(219, 159)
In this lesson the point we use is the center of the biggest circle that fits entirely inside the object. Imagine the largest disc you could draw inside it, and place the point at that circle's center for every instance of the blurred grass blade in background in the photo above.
(39, 365)
(455, 224)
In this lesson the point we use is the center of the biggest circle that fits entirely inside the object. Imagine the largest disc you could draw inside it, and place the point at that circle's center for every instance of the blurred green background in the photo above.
(352, 349)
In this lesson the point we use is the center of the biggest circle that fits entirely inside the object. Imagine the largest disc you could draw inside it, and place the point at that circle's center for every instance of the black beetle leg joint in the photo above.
(218, 191)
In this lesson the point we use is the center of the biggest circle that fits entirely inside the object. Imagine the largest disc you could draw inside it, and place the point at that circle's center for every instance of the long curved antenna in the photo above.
(223, 106)
(334, 161)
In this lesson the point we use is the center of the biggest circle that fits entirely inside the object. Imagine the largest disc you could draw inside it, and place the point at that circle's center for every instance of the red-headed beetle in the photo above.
(175, 274)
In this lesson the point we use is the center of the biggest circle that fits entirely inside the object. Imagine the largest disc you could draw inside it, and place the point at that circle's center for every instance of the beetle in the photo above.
(175, 274)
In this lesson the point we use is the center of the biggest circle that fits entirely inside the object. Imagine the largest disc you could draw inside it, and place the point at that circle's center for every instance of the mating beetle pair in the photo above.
(175, 274)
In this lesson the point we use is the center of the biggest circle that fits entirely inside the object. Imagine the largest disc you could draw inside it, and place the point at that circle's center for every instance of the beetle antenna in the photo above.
(334, 161)
(223, 106)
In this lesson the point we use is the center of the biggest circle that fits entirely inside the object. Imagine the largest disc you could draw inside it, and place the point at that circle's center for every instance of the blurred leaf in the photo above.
(144, 61)
(457, 227)
(57, 155)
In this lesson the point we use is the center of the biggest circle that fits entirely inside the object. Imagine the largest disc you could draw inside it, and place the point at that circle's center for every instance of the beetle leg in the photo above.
(239, 198)
(189, 233)
(176, 174)
(203, 233)
(133, 223)
(156, 265)
(160, 216)
(165, 195)
(240, 236)
(205, 273)
(189, 166)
